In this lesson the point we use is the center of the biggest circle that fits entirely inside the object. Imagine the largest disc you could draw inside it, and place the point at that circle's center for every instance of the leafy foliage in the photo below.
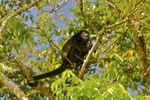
(113, 72)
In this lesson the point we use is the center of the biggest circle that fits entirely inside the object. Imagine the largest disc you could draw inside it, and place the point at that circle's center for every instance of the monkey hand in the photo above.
(73, 65)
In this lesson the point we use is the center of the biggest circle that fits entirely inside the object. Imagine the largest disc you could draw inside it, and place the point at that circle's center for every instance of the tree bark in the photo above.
(140, 50)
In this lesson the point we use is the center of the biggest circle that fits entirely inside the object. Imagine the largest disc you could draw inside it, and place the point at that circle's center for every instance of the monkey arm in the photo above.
(83, 48)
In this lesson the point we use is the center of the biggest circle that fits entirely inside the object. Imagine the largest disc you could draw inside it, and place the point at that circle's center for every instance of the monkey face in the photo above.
(85, 36)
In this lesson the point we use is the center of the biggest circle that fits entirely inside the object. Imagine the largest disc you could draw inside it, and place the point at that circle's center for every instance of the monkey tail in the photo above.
(57, 71)
(52, 73)
(48, 74)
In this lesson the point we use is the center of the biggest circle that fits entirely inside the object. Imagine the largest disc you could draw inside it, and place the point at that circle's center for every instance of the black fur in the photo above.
(74, 49)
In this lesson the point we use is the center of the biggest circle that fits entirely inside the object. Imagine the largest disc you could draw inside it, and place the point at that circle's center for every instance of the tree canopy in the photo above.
(116, 68)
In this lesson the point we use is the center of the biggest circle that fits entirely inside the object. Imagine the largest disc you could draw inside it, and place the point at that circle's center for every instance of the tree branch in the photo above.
(99, 35)
(20, 65)
(26, 7)
(112, 43)
(45, 92)
(112, 4)
(83, 69)
(140, 50)
(12, 86)
(27, 72)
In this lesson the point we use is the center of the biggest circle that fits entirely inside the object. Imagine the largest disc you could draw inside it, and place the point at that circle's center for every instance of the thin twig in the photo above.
(112, 4)
(17, 13)
(112, 43)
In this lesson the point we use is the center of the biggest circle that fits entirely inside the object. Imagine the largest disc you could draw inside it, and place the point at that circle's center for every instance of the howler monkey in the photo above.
(75, 50)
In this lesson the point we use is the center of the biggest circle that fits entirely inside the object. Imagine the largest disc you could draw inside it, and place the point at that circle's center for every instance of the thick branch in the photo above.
(140, 50)
(12, 86)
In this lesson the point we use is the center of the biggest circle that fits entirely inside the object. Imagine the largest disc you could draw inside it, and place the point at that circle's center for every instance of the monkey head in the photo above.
(85, 35)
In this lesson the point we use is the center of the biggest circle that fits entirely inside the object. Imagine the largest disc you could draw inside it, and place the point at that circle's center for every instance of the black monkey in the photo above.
(75, 50)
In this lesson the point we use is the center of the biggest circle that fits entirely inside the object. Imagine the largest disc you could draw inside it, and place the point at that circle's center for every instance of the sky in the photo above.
(55, 17)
